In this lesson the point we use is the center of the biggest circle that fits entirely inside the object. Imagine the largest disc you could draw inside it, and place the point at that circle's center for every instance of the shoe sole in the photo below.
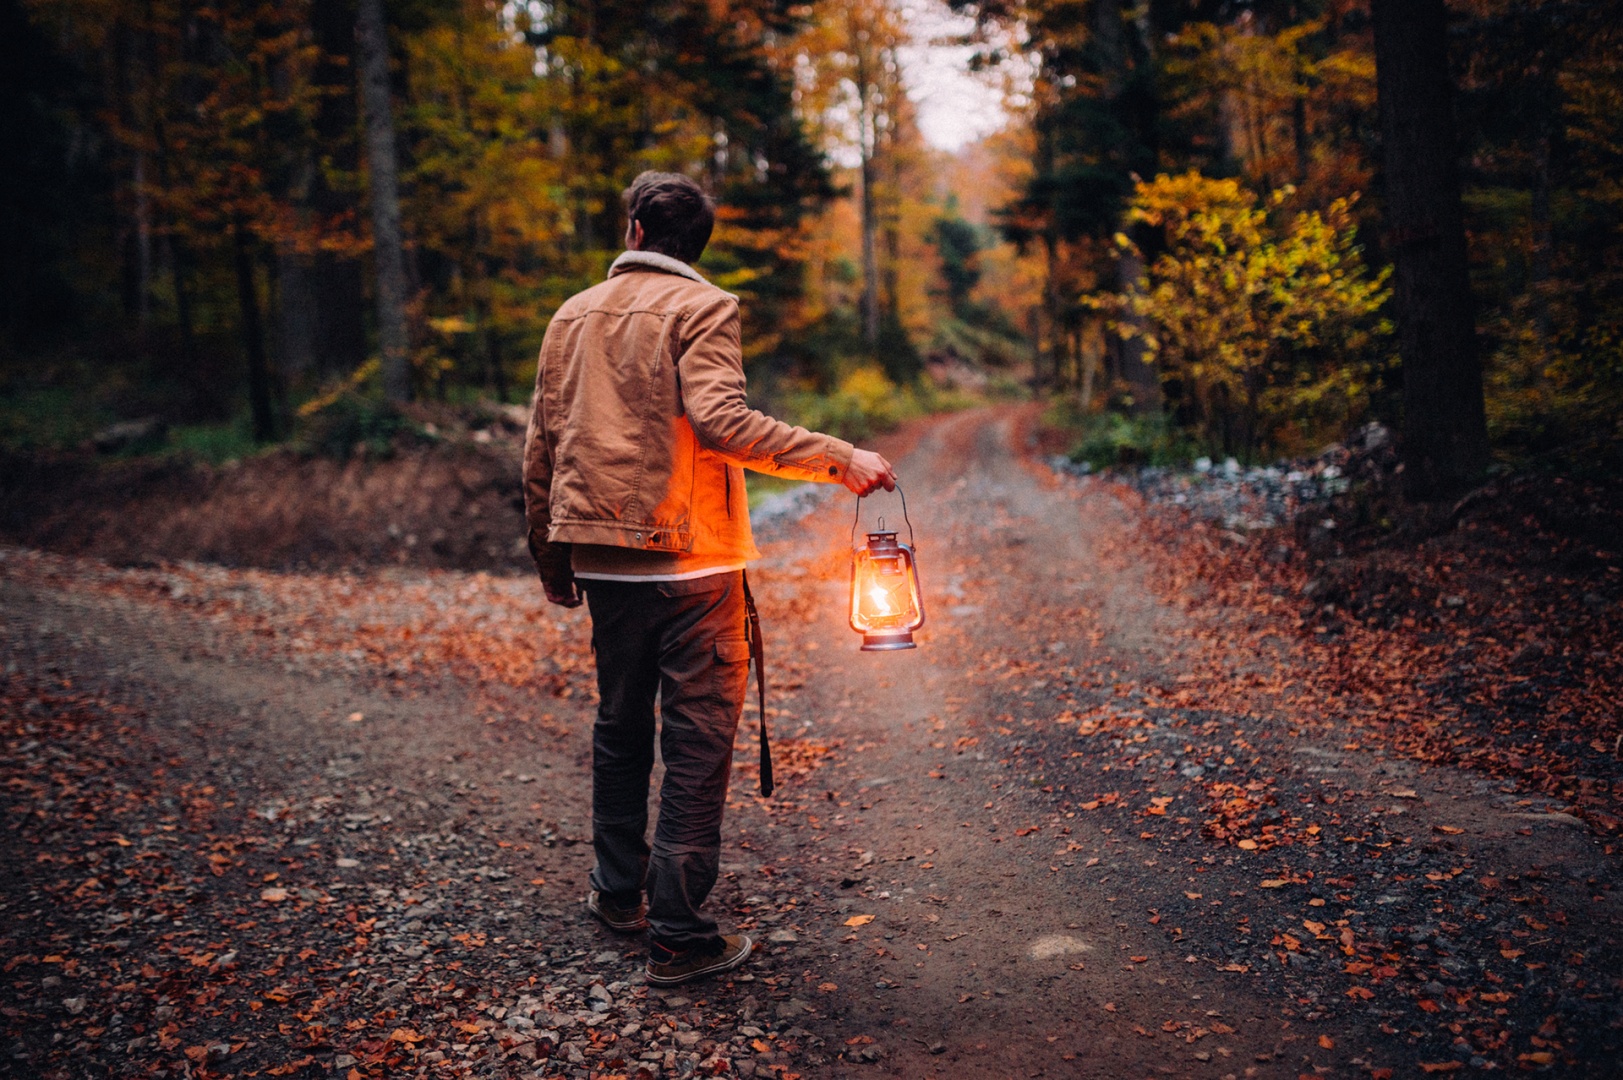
(727, 963)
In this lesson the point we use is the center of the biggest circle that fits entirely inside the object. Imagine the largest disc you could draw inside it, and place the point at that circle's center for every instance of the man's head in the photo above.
(675, 214)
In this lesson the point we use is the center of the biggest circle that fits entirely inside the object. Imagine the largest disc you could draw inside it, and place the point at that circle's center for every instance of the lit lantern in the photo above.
(886, 606)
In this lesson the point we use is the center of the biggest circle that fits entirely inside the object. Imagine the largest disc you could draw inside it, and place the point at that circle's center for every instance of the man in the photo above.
(634, 492)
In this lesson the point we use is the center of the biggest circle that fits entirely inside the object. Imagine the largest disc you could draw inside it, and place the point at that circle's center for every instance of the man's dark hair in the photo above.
(676, 215)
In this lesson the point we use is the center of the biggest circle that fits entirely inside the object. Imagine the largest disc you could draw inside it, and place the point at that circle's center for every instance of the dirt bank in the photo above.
(438, 505)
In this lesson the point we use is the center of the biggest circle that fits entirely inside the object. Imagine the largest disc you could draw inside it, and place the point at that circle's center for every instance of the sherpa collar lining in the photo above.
(653, 260)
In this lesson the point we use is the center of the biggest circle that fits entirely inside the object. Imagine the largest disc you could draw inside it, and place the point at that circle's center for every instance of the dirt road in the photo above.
(299, 822)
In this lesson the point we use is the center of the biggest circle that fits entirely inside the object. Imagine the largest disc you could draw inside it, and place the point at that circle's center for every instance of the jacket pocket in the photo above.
(732, 650)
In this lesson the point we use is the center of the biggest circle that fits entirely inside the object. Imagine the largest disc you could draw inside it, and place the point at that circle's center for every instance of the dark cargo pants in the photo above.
(685, 641)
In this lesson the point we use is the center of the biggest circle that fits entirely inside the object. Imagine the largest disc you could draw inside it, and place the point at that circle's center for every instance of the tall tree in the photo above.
(372, 52)
(1445, 426)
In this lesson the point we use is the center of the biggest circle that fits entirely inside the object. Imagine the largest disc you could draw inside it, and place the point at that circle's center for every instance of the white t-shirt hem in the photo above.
(687, 576)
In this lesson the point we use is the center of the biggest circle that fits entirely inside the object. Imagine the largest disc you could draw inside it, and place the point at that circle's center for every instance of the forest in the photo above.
(235, 216)
(1254, 373)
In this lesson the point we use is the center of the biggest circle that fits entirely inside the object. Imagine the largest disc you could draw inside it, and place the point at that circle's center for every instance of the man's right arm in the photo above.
(552, 560)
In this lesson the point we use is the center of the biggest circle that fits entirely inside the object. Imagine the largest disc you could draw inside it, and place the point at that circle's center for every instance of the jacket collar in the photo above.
(653, 260)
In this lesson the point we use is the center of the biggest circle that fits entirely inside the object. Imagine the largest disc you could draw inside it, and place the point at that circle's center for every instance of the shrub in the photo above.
(349, 423)
(1266, 331)
(863, 403)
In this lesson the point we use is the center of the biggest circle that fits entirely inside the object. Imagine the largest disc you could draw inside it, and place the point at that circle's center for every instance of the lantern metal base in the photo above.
(888, 642)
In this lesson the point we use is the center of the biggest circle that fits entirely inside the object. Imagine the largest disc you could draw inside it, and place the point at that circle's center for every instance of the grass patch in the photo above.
(214, 443)
(35, 418)
(1108, 439)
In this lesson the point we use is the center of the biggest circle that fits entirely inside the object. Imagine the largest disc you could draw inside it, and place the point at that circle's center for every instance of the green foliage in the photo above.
(984, 339)
(863, 403)
(348, 424)
(1268, 332)
(1108, 439)
(958, 242)
(35, 418)
(214, 443)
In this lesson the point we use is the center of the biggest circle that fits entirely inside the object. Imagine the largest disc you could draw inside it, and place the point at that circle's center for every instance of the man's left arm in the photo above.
(711, 371)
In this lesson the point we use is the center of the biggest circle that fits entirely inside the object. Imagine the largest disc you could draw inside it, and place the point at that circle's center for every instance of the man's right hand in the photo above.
(564, 593)
(868, 472)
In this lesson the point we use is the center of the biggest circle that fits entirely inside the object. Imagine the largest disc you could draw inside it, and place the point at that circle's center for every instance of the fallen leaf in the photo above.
(406, 1036)
(1273, 883)
(859, 920)
(273, 896)
(1447, 830)
(1327, 1042)
(1247, 845)
(1441, 1066)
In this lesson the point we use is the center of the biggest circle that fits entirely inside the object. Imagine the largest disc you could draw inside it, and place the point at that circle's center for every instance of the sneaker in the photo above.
(627, 920)
(668, 968)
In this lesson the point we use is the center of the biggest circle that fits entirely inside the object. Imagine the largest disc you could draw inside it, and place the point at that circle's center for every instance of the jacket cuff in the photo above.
(839, 454)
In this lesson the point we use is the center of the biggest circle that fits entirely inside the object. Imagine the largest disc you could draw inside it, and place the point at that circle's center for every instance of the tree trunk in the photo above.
(180, 282)
(1138, 369)
(143, 242)
(1137, 366)
(870, 256)
(253, 336)
(372, 52)
(1444, 426)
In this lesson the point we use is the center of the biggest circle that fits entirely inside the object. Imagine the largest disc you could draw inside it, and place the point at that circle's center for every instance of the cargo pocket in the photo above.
(730, 676)
(733, 650)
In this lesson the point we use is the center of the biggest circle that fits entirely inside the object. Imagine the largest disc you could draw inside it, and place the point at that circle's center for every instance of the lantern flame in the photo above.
(881, 598)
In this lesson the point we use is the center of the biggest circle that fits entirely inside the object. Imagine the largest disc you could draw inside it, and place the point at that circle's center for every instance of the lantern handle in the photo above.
(857, 518)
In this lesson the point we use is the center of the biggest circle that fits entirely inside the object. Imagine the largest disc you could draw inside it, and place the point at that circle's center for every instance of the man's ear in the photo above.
(634, 235)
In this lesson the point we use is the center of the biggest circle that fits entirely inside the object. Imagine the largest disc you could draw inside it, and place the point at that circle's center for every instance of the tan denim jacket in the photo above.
(639, 425)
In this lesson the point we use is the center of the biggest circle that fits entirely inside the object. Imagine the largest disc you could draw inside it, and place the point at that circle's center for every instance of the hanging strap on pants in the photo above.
(758, 657)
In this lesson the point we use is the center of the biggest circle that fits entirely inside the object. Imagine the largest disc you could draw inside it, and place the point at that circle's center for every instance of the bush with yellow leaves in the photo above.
(1266, 328)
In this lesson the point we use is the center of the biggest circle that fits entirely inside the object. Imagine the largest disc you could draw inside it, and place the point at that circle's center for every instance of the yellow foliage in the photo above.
(1267, 330)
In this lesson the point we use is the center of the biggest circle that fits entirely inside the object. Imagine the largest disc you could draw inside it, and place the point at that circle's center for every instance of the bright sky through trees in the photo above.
(955, 106)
